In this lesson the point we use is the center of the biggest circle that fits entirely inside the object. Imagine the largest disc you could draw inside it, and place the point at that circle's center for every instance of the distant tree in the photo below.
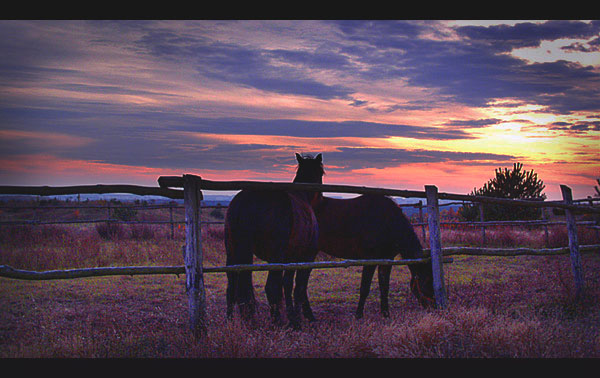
(121, 212)
(124, 213)
(514, 184)
(217, 212)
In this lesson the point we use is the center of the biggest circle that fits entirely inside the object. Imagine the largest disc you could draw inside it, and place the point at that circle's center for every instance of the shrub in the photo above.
(513, 184)
(110, 230)
(217, 213)
(141, 232)
(124, 213)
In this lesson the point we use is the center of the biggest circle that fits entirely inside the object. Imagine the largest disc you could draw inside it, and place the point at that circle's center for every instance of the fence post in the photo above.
(171, 219)
(108, 216)
(597, 219)
(573, 242)
(421, 220)
(545, 227)
(193, 256)
(435, 244)
(481, 219)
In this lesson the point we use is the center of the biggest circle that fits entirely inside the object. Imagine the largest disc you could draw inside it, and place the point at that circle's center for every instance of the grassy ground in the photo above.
(499, 306)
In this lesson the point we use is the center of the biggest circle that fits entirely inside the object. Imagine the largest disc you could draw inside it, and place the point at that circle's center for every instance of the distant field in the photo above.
(499, 306)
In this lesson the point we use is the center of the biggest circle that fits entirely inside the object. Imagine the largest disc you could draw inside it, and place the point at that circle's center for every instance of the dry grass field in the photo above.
(519, 307)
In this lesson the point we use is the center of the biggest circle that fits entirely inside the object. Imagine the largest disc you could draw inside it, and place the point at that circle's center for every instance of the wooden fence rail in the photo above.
(91, 189)
(177, 182)
(194, 269)
(10, 272)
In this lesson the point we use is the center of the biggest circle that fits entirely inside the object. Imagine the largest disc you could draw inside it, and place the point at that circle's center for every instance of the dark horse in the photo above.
(277, 227)
(373, 227)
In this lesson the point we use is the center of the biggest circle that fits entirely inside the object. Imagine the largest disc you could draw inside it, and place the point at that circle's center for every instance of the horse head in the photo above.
(310, 170)
(421, 284)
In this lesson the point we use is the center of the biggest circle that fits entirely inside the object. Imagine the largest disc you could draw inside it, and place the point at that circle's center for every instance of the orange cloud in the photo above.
(44, 138)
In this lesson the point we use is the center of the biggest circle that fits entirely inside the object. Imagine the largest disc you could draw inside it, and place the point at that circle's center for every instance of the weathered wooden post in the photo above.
(573, 242)
(421, 220)
(547, 236)
(193, 256)
(481, 219)
(591, 202)
(171, 220)
(108, 214)
(435, 244)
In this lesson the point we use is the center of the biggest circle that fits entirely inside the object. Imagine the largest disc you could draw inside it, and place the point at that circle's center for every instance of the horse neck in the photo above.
(414, 249)
(309, 196)
(411, 245)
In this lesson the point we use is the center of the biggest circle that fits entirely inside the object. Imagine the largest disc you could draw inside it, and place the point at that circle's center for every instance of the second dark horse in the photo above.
(277, 227)
(373, 227)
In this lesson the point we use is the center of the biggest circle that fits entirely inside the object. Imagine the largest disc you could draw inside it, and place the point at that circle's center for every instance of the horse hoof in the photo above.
(309, 316)
(276, 318)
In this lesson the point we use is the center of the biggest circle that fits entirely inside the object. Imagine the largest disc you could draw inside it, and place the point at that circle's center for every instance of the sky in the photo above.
(395, 104)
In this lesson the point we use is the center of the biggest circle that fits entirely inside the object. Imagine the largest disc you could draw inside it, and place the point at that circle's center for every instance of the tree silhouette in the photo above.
(514, 184)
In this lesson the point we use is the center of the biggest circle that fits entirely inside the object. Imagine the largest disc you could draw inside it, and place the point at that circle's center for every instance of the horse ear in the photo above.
(319, 158)
(298, 157)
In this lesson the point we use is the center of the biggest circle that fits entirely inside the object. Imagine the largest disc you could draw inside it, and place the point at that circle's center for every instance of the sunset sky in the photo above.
(396, 104)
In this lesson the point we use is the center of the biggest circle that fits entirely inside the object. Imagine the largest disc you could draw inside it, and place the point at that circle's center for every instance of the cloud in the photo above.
(579, 127)
(476, 69)
(505, 38)
(472, 68)
(474, 123)
(352, 158)
(320, 129)
(272, 70)
(142, 93)
(178, 141)
(108, 89)
(592, 46)
(15, 142)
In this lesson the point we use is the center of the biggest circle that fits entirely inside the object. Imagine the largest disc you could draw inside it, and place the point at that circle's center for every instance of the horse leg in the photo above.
(273, 288)
(245, 295)
(383, 277)
(231, 292)
(365, 287)
(301, 294)
(232, 284)
(288, 285)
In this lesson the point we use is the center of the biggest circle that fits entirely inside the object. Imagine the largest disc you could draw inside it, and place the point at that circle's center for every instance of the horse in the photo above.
(372, 227)
(277, 227)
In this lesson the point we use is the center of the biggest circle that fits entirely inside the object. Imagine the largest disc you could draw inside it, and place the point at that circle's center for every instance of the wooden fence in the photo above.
(109, 215)
(194, 270)
(111, 208)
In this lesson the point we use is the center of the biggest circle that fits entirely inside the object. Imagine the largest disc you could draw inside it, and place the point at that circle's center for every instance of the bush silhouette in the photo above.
(514, 184)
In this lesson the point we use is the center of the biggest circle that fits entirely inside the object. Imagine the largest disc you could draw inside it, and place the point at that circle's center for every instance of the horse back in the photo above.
(368, 226)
